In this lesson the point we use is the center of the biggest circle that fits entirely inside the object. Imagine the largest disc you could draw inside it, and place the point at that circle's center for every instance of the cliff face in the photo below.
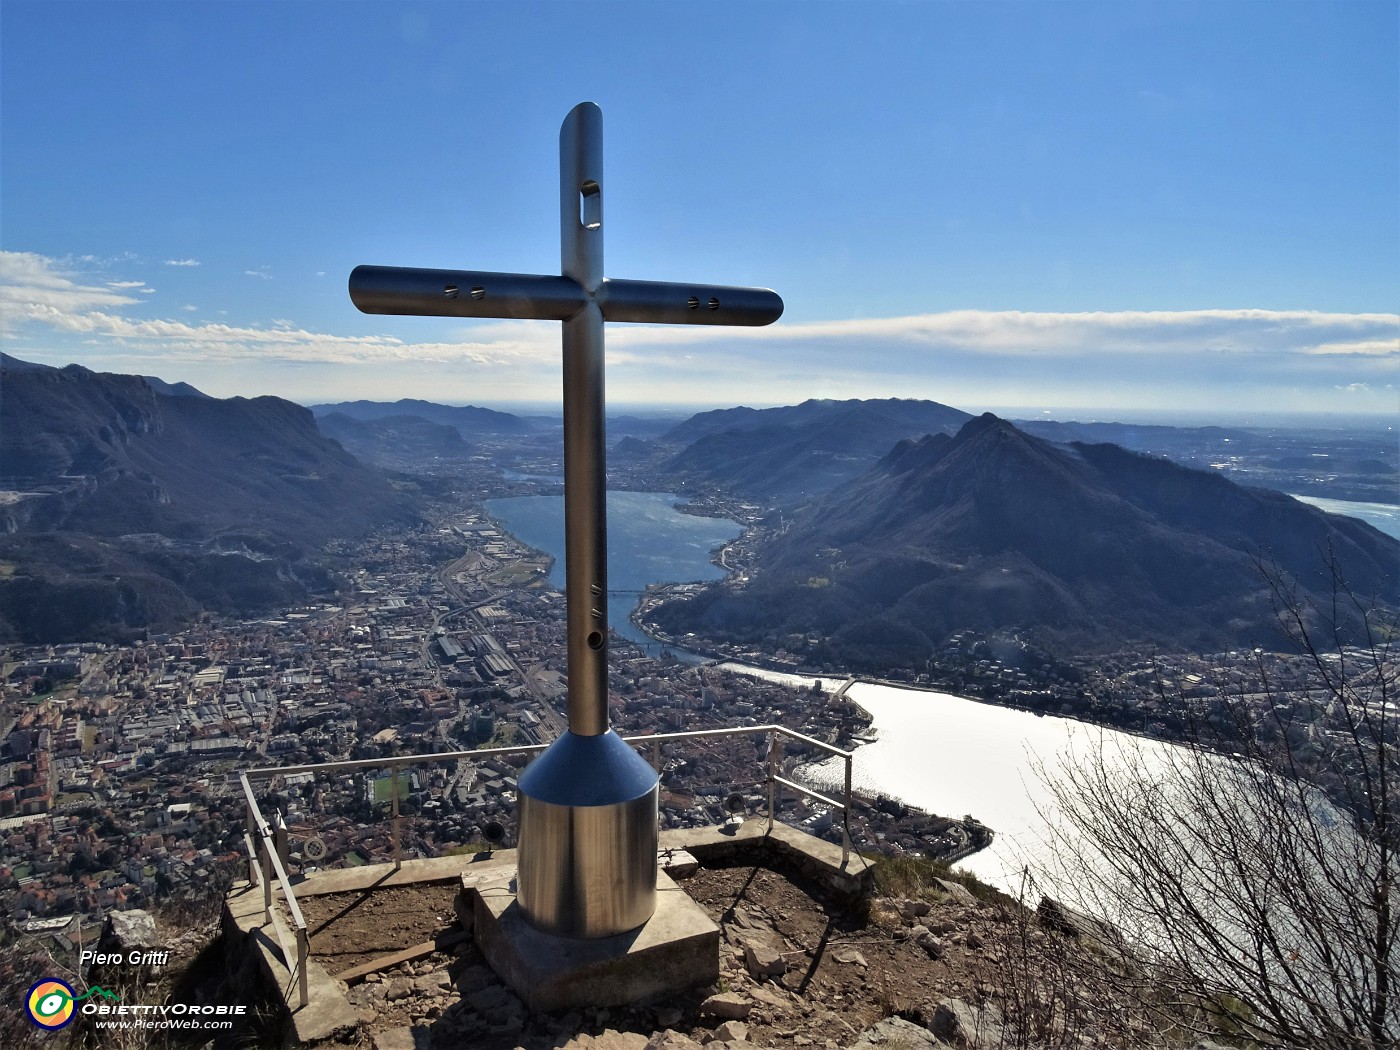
(994, 529)
(128, 503)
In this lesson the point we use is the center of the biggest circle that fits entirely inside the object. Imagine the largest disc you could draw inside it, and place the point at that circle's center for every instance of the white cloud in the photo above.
(181, 262)
(190, 307)
(1363, 347)
(183, 341)
(34, 281)
(1020, 333)
(32, 290)
(126, 284)
(257, 273)
(968, 356)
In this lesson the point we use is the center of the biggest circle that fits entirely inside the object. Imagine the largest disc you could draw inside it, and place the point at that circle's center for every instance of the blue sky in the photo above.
(1055, 206)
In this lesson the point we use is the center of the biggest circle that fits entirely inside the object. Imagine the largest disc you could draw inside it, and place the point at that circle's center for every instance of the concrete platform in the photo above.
(754, 840)
(385, 876)
(327, 1016)
(677, 948)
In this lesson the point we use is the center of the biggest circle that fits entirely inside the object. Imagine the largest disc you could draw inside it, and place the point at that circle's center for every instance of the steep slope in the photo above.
(153, 505)
(1082, 545)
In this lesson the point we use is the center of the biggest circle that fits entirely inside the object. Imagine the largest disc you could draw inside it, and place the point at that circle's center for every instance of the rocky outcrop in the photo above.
(125, 930)
(961, 1025)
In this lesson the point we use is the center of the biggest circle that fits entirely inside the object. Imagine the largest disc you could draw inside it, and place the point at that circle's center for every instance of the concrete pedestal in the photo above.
(677, 948)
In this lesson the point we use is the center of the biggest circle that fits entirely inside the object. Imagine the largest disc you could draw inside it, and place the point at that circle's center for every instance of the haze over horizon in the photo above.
(1148, 208)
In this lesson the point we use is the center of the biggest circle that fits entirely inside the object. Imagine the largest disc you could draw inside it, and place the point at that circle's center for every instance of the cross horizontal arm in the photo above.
(658, 302)
(480, 293)
(464, 293)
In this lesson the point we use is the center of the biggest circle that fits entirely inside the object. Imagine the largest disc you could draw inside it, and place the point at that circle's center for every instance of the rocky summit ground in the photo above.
(798, 969)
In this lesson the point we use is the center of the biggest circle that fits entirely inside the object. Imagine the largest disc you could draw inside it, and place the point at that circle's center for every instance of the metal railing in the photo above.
(266, 844)
(266, 858)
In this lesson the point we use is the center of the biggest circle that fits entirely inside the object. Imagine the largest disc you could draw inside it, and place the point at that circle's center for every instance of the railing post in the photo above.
(303, 957)
(265, 860)
(394, 790)
(279, 838)
(774, 754)
(254, 873)
(656, 756)
(846, 815)
(250, 831)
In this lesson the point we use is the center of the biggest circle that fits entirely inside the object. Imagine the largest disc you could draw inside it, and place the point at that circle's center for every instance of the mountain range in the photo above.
(131, 503)
(395, 437)
(466, 419)
(789, 454)
(793, 453)
(993, 529)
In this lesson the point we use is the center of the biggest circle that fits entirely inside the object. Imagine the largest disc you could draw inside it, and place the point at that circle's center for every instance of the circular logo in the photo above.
(50, 1003)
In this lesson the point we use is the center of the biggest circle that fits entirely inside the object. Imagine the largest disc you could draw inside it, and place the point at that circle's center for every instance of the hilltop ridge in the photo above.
(798, 452)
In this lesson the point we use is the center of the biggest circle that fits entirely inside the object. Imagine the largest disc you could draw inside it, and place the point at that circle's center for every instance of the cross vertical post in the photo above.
(588, 804)
(585, 498)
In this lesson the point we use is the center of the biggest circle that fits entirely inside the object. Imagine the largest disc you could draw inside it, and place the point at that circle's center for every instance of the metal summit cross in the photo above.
(588, 804)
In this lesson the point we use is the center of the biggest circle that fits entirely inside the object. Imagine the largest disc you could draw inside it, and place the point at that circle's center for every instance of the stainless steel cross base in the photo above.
(588, 830)
(675, 949)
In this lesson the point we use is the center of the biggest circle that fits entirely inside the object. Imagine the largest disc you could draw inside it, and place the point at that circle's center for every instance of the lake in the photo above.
(1384, 516)
(649, 541)
(957, 757)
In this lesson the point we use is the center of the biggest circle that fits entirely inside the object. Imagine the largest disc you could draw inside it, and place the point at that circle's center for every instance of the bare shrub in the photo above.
(1256, 870)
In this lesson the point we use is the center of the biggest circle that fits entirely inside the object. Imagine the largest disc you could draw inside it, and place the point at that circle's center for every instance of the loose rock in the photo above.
(732, 1032)
(728, 1006)
(669, 1040)
(763, 960)
(473, 979)
(931, 944)
(909, 910)
(849, 955)
(956, 890)
(394, 1039)
(956, 1022)
(891, 1032)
